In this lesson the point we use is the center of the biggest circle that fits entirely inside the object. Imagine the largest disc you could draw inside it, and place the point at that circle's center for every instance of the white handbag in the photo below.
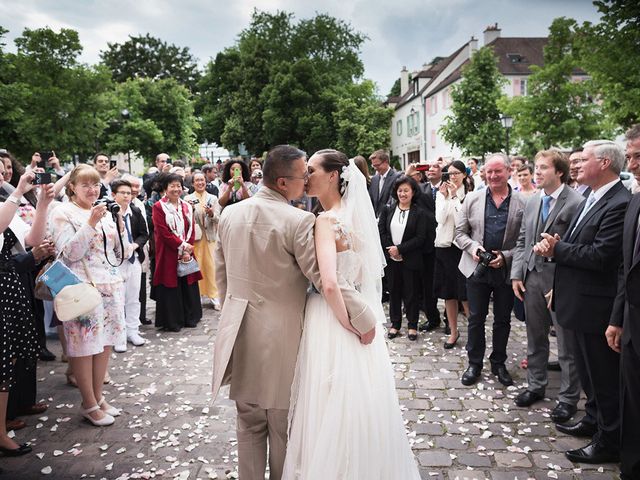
(76, 300)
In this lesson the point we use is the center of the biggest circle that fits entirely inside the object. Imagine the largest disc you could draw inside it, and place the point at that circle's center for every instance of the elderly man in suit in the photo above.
(623, 333)
(549, 211)
(382, 182)
(489, 225)
(263, 259)
(587, 260)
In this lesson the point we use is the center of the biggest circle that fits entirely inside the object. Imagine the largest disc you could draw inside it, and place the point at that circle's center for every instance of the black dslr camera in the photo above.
(112, 207)
(485, 259)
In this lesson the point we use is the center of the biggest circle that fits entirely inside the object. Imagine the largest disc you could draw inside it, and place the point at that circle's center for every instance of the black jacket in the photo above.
(139, 231)
(413, 240)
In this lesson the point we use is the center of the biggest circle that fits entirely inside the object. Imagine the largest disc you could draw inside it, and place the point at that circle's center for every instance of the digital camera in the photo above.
(485, 259)
(112, 207)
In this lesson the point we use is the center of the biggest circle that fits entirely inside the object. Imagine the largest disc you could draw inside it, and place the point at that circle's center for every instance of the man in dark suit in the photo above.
(382, 182)
(623, 333)
(549, 211)
(210, 172)
(587, 260)
(131, 268)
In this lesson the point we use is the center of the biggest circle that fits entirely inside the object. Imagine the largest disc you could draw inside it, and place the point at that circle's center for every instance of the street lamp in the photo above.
(125, 117)
(507, 123)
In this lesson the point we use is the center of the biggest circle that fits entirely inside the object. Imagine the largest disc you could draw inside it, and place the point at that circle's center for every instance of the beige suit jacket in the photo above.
(265, 258)
(470, 229)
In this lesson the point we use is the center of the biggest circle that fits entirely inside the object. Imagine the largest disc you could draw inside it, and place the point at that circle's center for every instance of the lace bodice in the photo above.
(348, 262)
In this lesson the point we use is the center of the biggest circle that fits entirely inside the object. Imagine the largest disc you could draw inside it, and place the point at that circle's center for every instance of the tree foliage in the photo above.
(282, 82)
(150, 57)
(474, 125)
(611, 56)
(558, 110)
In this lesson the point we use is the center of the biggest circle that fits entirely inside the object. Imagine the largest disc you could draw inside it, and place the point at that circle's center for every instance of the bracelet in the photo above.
(13, 199)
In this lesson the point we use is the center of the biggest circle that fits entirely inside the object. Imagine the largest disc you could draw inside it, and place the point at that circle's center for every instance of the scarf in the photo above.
(174, 217)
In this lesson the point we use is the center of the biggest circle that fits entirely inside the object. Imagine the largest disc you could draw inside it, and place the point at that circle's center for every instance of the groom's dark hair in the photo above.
(278, 162)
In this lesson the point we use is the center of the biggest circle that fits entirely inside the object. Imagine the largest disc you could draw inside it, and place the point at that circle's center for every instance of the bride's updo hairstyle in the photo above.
(334, 161)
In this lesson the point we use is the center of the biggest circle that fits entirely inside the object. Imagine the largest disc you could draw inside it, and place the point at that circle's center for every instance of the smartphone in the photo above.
(44, 158)
(237, 173)
(445, 176)
(42, 178)
(112, 164)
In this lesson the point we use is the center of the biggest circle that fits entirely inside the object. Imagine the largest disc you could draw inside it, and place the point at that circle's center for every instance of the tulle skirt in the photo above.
(345, 421)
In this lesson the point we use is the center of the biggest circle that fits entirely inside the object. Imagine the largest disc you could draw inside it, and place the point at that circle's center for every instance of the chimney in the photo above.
(473, 46)
(404, 80)
(491, 33)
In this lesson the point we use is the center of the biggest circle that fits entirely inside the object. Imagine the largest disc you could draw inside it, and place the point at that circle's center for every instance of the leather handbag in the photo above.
(187, 268)
(73, 301)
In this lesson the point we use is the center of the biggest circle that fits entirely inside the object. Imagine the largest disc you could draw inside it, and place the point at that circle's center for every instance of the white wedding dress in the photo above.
(345, 421)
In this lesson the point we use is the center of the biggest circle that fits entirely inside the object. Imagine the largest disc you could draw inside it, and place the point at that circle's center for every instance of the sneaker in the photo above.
(136, 339)
(120, 348)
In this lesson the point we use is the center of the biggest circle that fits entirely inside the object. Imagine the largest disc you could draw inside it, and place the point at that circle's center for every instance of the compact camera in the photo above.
(42, 178)
(485, 259)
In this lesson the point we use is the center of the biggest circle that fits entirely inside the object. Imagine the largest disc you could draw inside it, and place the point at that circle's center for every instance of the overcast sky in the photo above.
(404, 32)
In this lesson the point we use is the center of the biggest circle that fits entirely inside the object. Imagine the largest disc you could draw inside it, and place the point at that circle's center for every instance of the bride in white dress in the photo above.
(344, 420)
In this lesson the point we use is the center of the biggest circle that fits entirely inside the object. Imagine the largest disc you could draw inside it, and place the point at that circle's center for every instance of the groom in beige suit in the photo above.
(265, 258)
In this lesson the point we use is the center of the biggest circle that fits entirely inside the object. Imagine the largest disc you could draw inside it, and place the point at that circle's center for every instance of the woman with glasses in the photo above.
(449, 283)
(84, 233)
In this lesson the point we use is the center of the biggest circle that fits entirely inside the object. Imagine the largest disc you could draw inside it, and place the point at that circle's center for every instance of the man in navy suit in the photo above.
(623, 333)
(382, 182)
(587, 260)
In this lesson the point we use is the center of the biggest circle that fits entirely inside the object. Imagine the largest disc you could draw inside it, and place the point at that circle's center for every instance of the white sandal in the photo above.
(103, 422)
(114, 412)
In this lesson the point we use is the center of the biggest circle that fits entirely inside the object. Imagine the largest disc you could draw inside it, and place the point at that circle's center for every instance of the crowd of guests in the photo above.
(544, 238)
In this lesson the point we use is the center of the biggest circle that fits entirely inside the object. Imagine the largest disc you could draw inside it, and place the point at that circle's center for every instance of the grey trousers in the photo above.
(538, 321)
(256, 428)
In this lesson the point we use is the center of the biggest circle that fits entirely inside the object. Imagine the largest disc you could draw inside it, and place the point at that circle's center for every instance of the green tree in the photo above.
(474, 124)
(54, 99)
(395, 89)
(557, 111)
(611, 55)
(161, 118)
(281, 82)
(150, 57)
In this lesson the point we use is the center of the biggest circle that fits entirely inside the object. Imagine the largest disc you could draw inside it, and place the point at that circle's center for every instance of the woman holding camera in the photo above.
(206, 212)
(235, 178)
(177, 298)
(403, 232)
(449, 283)
(84, 232)
(18, 339)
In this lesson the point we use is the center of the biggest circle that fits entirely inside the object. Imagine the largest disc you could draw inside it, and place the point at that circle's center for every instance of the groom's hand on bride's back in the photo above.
(367, 338)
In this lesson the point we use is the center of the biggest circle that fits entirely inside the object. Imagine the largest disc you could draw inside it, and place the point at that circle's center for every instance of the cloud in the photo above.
(409, 33)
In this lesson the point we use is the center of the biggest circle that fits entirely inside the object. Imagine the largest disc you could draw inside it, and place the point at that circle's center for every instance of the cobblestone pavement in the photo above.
(169, 429)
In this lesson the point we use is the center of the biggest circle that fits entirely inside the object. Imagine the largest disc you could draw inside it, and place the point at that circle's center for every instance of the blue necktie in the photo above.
(546, 204)
(434, 192)
(127, 219)
(590, 201)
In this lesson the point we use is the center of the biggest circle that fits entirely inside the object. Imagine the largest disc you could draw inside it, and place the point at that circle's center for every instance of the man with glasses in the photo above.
(131, 268)
(382, 182)
(587, 259)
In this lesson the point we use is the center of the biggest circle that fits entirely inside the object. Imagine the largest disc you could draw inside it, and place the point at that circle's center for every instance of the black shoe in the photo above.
(146, 321)
(563, 412)
(45, 355)
(580, 429)
(393, 335)
(448, 345)
(553, 366)
(595, 452)
(16, 452)
(471, 375)
(447, 329)
(429, 326)
(527, 398)
(503, 375)
(412, 336)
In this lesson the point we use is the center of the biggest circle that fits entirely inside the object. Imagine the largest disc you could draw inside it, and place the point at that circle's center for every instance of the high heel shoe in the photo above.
(113, 411)
(393, 335)
(449, 346)
(103, 422)
(16, 452)
(412, 336)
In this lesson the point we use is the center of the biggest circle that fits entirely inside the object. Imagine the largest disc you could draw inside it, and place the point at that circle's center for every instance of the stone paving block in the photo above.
(510, 475)
(447, 404)
(474, 460)
(429, 428)
(543, 460)
(514, 460)
(435, 458)
(466, 475)
(451, 442)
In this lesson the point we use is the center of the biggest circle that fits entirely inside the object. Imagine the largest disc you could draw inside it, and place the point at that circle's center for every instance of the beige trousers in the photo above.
(256, 428)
